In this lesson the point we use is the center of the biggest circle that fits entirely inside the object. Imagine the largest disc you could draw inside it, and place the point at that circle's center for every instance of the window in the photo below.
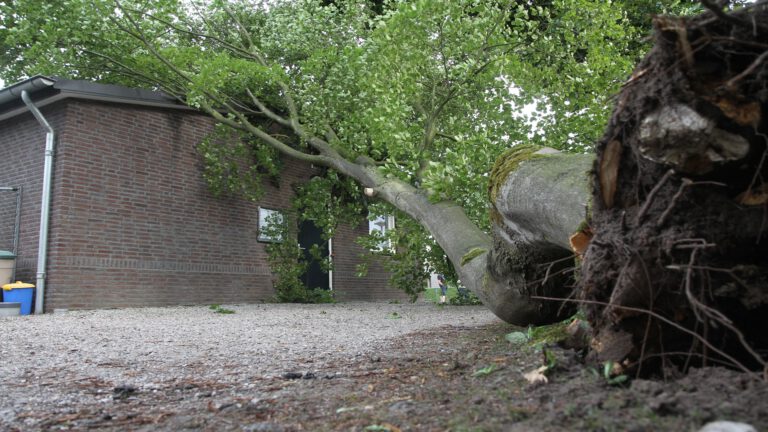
(270, 225)
(378, 227)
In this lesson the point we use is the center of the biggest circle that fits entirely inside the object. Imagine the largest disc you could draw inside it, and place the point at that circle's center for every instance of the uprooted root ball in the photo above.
(677, 271)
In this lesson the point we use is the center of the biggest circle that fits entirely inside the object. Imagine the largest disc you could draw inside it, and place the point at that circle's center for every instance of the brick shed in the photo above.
(132, 221)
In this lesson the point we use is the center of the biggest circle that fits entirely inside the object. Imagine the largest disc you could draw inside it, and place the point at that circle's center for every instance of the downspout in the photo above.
(45, 207)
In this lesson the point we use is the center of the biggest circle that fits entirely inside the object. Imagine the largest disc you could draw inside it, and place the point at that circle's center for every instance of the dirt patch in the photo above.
(455, 378)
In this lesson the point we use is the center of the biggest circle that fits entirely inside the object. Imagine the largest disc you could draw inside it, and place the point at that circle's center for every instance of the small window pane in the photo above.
(379, 226)
(270, 223)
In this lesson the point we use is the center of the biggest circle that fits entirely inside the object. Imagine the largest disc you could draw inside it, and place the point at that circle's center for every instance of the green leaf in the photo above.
(517, 338)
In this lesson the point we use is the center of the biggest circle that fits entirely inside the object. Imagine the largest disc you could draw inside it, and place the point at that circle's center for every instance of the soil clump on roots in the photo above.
(676, 273)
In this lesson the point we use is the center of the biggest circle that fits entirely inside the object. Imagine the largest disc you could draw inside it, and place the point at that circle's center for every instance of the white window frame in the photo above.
(265, 213)
(382, 224)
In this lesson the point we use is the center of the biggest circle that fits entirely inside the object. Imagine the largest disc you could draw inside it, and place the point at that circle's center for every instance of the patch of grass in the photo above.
(465, 297)
(433, 294)
(394, 315)
(218, 309)
(535, 337)
(454, 296)
(548, 334)
(517, 338)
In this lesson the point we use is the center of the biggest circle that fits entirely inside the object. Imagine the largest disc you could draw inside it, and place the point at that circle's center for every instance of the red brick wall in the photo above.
(133, 222)
(346, 256)
(22, 147)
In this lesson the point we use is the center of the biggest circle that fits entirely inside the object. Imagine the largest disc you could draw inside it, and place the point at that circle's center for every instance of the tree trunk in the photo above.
(540, 202)
(676, 272)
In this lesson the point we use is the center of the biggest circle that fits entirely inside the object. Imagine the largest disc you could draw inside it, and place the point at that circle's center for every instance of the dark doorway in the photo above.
(309, 235)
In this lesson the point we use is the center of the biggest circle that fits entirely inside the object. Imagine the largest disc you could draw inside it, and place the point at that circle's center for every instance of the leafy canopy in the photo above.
(430, 91)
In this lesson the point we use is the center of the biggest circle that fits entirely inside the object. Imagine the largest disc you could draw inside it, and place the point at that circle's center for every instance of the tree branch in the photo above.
(448, 137)
(222, 42)
(125, 69)
(718, 11)
(244, 125)
(266, 111)
(243, 31)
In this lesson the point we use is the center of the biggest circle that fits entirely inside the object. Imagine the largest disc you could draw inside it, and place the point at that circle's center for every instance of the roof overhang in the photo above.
(45, 91)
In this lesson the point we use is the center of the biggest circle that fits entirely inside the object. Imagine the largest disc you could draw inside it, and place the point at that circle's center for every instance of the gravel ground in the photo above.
(148, 349)
(345, 367)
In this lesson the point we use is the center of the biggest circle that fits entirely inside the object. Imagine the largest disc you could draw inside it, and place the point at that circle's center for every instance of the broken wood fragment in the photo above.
(609, 169)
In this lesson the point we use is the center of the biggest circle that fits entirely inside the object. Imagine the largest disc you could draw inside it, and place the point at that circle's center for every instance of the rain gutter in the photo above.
(13, 92)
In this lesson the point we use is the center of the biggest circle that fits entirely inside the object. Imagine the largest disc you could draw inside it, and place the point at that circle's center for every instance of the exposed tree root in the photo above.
(677, 272)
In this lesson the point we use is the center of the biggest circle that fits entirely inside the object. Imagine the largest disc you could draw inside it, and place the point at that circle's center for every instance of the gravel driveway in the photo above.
(118, 352)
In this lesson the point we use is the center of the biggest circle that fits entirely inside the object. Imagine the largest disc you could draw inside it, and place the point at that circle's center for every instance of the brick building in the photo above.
(132, 221)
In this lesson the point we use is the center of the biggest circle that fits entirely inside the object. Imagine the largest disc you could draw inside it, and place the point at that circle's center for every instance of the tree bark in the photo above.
(676, 273)
(540, 203)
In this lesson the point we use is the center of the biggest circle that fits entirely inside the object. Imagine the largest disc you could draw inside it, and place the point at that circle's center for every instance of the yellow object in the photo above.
(18, 284)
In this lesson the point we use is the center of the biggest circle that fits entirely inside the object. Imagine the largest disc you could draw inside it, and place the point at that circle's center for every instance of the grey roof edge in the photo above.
(13, 91)
(57, 89)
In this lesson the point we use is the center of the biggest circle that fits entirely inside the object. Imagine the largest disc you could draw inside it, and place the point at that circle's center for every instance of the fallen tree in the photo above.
(411, 101)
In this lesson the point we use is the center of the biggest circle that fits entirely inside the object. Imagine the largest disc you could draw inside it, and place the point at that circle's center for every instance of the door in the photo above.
(315, 276)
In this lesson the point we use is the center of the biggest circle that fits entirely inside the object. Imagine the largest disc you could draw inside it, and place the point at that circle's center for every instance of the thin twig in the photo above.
(652, 193)
(714, 314)
(685, 184)
(642, 346)
(651, 299)
(551, 264)
(718, 11)
(732, 82)
(759, 168)
(732, 40)
(682, 353)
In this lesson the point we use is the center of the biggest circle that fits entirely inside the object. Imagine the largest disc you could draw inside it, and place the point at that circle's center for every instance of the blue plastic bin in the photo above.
(20, 292)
